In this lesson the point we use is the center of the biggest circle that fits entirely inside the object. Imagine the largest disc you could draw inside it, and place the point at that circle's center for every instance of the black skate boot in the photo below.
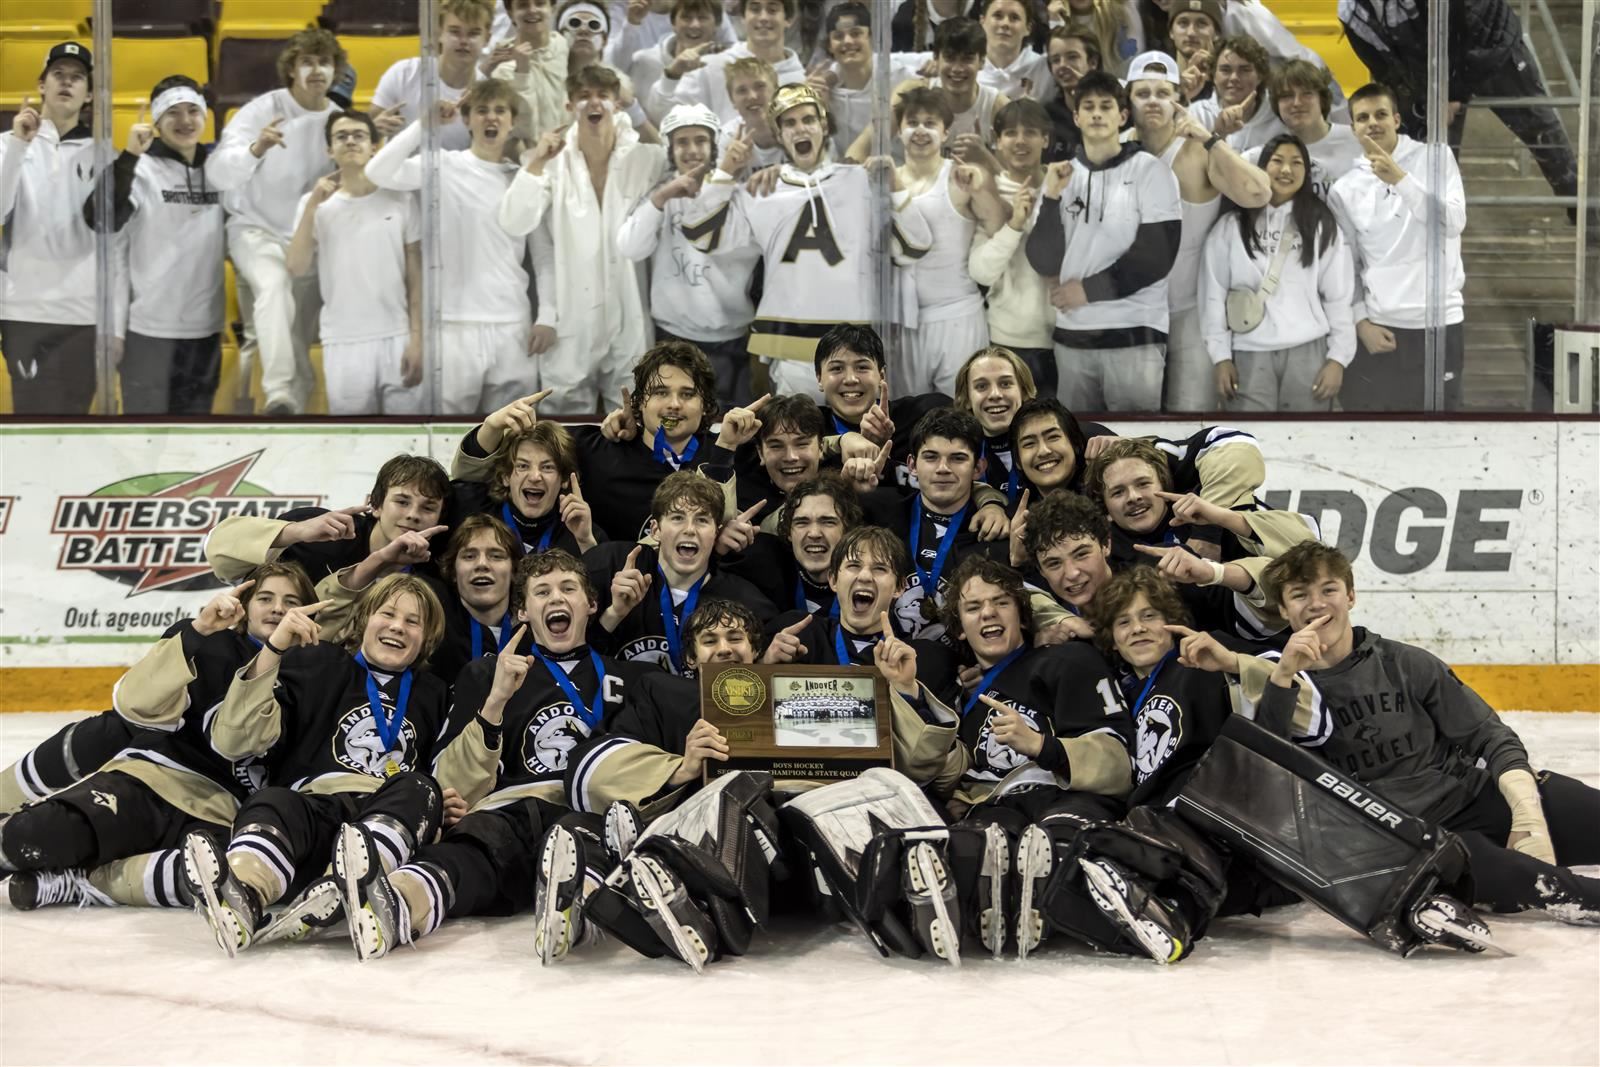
(1155, 925)
(231, 908)
(678, 921)
(40, 889)
(1444, 920)
(316, 913)
(1035, 861)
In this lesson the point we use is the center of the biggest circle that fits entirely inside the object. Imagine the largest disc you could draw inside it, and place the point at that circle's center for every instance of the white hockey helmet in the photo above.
(690, 115)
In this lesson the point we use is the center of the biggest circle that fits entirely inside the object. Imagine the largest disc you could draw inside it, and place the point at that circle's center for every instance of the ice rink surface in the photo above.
(136, 986)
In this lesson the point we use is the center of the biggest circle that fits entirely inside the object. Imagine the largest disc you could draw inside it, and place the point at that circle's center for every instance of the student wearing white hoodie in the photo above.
(1383, 206)
(484, 343)
(700, 80)
(694, 296)
(643, 26)
(1294, 358)
(1108, 231)
(572, 195)
(697, 29)
(1238, 110)
(270, 155)
(47, 254)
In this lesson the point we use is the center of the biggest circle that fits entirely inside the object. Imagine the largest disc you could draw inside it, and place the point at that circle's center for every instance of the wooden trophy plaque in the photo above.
(798, 721)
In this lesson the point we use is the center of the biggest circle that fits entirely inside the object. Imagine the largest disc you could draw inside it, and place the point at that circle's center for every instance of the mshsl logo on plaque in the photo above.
(738, 691)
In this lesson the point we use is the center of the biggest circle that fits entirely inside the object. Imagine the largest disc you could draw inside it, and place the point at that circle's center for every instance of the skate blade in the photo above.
(928, 876)
(558, 863)
(1106, 896)
(1033, 863)
(1476, 939)
(203, 870)
(350, 864)
(996, 862)
(648, 884)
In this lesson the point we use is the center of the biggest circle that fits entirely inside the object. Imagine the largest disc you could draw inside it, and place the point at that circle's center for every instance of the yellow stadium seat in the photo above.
(123, 118)
(371, 56)
(139, 62)
(21, 60)
(1315, 24)
(44, 19)
(266, 18)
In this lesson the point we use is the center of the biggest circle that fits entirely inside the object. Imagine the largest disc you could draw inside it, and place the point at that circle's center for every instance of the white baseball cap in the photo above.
(1147, 65)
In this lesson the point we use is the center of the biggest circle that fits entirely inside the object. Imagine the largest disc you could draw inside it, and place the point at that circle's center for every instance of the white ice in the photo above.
(143, 986)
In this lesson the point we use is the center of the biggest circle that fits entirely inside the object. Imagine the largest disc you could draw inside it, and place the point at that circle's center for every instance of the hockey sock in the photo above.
(152, 880)
(257, 858)
(18, 786)
(392, 839)
(426, 893)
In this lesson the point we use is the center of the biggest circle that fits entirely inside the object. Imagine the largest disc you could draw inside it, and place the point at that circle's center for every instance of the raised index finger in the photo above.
(433, 531)
(1164, 495)
(533, 400)
(793, 629)
(1318, 623)
(516, 638)
(239, 589)
(633, 559)
(759, 404)
(1153, 550)
(312, 609)
(995, 704)
(144, 112)
(1181, 631)
(577, 491)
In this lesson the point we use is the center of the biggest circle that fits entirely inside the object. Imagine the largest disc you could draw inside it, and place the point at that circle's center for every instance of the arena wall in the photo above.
(1477, 539)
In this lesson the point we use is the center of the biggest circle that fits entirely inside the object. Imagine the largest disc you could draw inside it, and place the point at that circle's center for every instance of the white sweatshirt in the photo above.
(588, 291)
(481, 263)
(264, 193)
(627, 40)
(47, 252)
(543, 87)
(1026, 76)
(1309, 302)
(176, 244)
(693, 294)
(1020, 314)
(1387, 228)
(401, 85)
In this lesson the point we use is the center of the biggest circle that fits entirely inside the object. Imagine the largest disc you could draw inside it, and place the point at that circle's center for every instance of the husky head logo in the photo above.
(550, 738)
(357, 745)
(1367, 733)
(998, 756)
(1160, 729)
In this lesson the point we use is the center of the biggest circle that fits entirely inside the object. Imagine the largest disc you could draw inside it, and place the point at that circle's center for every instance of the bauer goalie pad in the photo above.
(858, 834)
(1327, 837)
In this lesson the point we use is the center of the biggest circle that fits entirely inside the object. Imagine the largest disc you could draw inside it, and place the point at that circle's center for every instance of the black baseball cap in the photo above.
(69, 50)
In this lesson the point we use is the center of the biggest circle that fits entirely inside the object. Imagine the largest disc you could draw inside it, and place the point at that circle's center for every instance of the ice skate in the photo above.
(1143, 915)
(557, 904)
(931, 892)
(680, 923)
(992, 878)
(1035, 859)
(40, 889)
(1446, 921)
(378, 916)
(623, 823)
(317, 912)
(230, 907)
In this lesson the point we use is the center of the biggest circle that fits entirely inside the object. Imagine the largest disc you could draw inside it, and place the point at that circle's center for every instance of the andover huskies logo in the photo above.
(1160, 729)
(648, 650)
(999, 757)
(358, 746)
(550, 738)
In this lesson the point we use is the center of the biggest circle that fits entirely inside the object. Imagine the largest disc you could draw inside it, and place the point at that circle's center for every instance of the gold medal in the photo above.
(390, 768)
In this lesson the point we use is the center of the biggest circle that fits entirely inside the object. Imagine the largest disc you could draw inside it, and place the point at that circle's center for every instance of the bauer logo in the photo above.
(1359, 800)
(149, 531)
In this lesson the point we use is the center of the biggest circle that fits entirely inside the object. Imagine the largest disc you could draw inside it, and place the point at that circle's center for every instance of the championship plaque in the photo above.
(798, 721)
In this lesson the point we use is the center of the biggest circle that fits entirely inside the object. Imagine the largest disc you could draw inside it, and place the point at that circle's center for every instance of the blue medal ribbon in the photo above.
(930, 578)
(670, 618)
(479, 630)
(839, 426)
(989, 676)
(1013, 483)
(248, 636)
(591, 719)
(1150, 682)
(511, 521)
(388, 729)
(842, 650)
(664, 454)
(803, 602)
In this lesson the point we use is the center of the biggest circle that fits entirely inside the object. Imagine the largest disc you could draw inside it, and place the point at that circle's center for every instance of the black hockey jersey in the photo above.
(769, 565)
(825, 640)
(637, 757)
(643, 635)
(313, 723)
(624, 476)
(904, 412)
(924, 532)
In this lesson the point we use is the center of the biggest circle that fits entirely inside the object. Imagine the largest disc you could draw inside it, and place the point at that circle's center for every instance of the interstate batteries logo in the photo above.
(149, 531)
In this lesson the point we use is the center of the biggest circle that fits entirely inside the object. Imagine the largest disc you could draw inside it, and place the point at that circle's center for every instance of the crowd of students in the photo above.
(478, 693)
(1160, 205)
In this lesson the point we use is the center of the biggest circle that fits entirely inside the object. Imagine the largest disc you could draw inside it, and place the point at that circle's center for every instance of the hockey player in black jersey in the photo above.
(790, 565)
(934, 519)
(856, 397)
(113, 836)
(475, 588)
(1403, 722)
(646, 592)
(660, 428)
(525, 473)
(1065, 542)
(348, 734)
(764, 451)
(409, 494)
(1051, 447)
(551, 696)
(990, 386)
